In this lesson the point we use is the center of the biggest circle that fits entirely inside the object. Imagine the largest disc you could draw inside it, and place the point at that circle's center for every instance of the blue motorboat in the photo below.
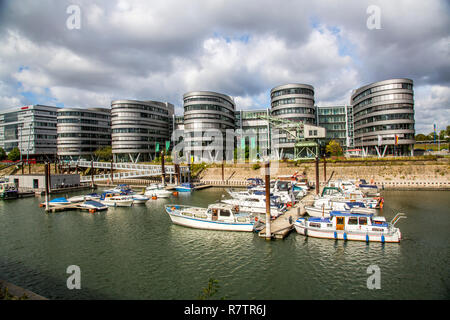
(185, 187)
(58, 201)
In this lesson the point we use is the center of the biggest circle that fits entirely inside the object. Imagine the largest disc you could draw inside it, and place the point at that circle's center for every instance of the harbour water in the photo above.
(137, 253)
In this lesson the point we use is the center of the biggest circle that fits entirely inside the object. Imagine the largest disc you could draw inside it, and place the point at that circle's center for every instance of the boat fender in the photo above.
(382, 238)
(335, 235)
(175, 193)
(367, 238)
(345, 236)
(306, 232)
(173, 208)
(236, 208)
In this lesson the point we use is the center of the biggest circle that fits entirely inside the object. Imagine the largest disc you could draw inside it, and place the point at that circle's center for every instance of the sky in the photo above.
(158, 50)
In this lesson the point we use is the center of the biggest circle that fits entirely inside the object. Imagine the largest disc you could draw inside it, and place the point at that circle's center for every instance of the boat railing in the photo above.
(397, 217)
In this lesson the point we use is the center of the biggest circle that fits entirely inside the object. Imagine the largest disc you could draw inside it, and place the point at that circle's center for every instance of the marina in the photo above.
(145, 256)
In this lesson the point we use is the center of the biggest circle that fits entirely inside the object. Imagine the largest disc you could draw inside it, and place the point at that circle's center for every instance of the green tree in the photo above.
(104, 154)
(421, 137)
(334, 148)
(3, 155)
(14, 154)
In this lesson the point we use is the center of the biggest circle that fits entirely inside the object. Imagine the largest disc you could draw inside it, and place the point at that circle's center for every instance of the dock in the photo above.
(283, 224)
(64, 207)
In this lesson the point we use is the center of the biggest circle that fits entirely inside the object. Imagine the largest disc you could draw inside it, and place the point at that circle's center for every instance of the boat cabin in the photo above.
(339, 220)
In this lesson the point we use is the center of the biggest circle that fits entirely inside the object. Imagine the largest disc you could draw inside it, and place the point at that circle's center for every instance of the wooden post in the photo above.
(325, 169)
(92, 173)
(112, 173)
(223, 173)
(317, 175)
(29, 167)
(163, 172)
(267, 185)
(46, 182)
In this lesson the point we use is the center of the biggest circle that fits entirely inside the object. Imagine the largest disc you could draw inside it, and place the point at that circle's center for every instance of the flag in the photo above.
(253, 142)
(243, 143)
(157, 147)
(167, 145)
(396, 139)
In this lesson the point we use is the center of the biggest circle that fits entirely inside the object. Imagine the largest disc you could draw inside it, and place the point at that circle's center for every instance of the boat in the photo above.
(336, 193)
(256, 204)
(8, 191)
(350, 226)
(185, 187)
(116, 200)
(92, 204)
(323, 207)
(369, 189)
(254, 182)
(81, 198)
(139, 198)
(58, 201)
(157, 190)
(218, 216)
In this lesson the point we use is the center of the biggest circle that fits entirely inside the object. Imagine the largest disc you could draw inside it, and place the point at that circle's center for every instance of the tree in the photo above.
(104, 153)
(334, 148)
(3, 155)
(421, 137)
(14, 154)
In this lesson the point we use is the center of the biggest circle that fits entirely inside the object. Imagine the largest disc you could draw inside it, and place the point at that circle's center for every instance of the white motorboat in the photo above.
(139, 198)
(218, 216)
(116, 200)
(337, 194)
(257, 205)
(350, 226)
(94, 205)
(157, 190)
(322, 207)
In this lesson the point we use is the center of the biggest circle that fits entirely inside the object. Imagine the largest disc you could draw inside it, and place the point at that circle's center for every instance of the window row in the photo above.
(292, 91)
(292, 101)
(381, 88)
(385, 97)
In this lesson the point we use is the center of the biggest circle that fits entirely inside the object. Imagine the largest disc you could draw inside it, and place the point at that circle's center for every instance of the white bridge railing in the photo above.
(150, 169)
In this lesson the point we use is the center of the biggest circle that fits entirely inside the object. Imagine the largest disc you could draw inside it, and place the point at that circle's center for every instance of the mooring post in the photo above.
(46, 185)
(317, 175)
(324, 169)
(92, 173)
(112, 174)
(163, 172)
(267, 185)
(223, 169)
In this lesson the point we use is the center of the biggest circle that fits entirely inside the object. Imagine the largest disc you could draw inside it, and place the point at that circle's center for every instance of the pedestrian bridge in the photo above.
(133, 170)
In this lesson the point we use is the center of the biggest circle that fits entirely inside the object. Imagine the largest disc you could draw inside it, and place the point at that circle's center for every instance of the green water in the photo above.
(137, 253)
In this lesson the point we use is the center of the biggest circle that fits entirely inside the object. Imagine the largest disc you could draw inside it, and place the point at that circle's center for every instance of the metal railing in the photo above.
(155, 169)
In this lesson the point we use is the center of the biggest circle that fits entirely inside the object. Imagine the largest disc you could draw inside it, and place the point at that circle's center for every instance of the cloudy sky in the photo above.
(158, 50)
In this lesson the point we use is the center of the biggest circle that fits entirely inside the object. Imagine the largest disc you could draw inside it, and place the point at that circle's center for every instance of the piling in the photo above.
(46, 179)
(112, 174)
(325, 169)
(267, 185)
(92, 173)
(317, 175)
(163, 175)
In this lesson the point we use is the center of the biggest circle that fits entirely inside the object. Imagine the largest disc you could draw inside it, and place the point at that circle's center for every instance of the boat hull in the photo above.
(210, 225)
(118, 203)
(343, 235)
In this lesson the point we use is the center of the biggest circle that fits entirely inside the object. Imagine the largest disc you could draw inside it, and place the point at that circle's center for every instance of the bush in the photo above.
(256, 166)
(14, 154)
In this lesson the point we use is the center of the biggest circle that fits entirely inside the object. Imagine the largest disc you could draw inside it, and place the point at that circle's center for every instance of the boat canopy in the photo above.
(95, 203)
(356, 204)
(348, 214)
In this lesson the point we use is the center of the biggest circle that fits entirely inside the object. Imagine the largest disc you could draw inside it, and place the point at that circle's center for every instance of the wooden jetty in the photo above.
(283, 225)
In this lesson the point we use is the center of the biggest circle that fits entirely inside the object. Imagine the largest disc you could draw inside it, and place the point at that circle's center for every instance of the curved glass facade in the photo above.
(82, 131)
(384, 117)
(139, 128)
(294, 102)
(206, 110)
